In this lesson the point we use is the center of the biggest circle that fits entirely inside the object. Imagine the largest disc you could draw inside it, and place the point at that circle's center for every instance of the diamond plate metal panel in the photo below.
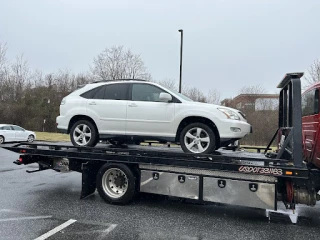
(213, 173)
(237, 192)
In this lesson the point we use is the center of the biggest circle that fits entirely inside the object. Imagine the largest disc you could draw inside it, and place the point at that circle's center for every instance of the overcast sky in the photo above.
(227, 43)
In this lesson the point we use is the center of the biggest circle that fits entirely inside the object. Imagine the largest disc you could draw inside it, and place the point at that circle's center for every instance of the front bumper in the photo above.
(232, 129)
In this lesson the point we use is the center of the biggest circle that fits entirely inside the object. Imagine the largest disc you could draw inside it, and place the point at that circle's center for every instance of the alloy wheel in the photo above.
(82, 134)
(197, 140)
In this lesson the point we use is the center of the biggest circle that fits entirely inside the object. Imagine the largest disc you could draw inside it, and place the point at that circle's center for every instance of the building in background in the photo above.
(261, 111)
(256, 102)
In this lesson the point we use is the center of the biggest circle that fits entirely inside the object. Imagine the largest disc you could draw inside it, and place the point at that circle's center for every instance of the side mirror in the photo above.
(165, 97)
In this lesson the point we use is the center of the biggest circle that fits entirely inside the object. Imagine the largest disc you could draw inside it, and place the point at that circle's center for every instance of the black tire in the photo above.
(105, 188)
(89, 142)
(2, 139)
(30, 138)
(207, 131)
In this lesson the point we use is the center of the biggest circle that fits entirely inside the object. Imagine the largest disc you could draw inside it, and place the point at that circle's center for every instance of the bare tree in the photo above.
(313, 74)
(255, 89)
(3, 69)
(64, 81)
(3, 52)
(118, 63)
(82, 78)
(213, 96)
(168, 83)
(36, 78)
(19, 76)
(195, 94)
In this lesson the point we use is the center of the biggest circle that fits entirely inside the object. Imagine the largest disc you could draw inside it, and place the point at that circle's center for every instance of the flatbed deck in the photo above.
(222, 160)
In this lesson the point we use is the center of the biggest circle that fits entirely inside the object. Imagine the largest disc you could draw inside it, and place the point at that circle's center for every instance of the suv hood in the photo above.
(215, 106)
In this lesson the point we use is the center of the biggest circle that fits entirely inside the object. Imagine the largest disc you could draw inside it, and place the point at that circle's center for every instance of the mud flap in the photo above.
(89, 173)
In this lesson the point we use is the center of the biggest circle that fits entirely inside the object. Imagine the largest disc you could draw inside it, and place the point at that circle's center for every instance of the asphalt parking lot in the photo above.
(46, 205)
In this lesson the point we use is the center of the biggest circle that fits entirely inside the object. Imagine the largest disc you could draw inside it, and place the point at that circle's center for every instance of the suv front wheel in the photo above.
(197, 138)
(83, 134)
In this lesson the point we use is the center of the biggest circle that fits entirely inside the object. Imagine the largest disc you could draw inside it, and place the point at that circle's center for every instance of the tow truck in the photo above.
(241, 178)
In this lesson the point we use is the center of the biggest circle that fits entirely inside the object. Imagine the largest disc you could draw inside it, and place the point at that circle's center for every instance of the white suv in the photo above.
(124, 111)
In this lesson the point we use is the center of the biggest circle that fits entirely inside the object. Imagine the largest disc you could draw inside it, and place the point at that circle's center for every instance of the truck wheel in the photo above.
(116, 183)
(83, 133)
(197, 138)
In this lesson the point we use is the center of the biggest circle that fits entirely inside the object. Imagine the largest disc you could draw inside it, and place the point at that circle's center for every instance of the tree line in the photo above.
(31, 99)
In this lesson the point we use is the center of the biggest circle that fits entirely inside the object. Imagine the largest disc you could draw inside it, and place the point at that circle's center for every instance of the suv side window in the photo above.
(145, 92)
(310, 102)
(116, 91)
(6, 128)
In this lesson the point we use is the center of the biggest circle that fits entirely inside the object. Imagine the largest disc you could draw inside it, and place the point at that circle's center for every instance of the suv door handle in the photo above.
(92, 103)
(133, 105)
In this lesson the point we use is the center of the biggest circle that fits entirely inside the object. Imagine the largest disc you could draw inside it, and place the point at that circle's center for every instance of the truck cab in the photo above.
(310, 125)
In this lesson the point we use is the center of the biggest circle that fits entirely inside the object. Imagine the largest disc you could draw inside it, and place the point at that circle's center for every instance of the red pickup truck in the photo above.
(310, 125)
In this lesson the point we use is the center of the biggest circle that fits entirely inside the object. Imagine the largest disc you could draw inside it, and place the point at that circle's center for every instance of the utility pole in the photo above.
(181, 46)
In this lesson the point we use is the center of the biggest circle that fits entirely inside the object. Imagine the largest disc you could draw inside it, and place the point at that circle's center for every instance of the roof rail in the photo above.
(116, 80)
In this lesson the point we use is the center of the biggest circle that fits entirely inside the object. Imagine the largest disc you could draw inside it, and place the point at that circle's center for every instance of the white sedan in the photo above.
(13, 133)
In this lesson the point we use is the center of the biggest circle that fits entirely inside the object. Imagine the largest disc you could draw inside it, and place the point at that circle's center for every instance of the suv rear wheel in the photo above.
(197, 138)
(83, 133)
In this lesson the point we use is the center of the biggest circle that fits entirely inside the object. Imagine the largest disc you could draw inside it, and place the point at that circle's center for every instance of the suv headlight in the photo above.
(230, 114)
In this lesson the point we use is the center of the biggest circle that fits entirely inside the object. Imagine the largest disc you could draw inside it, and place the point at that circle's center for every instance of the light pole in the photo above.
(181, 46)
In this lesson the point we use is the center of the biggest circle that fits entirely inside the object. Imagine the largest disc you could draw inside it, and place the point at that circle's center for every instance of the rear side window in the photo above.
(111, 92)
(116, 91)
(99, 94)
(310, 103)
(90, 94)
(96, 93)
